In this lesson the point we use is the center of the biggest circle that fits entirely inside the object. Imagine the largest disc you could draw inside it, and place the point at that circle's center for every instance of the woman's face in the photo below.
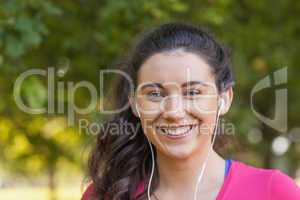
(177, 100)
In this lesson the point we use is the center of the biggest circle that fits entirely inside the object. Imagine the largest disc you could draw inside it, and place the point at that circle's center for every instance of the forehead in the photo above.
(175, 68)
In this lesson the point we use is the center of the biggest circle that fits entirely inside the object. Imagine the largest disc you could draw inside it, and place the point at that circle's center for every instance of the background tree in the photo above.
(78, 38)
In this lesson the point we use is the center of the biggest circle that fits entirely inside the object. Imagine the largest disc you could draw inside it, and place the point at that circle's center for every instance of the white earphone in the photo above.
(221, 105)
(137, 110)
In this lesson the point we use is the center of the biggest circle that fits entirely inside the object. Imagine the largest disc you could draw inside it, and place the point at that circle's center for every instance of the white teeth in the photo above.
(176, 131)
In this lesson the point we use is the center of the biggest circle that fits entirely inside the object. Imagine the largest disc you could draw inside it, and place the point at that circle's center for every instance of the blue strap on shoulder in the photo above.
(227, 166)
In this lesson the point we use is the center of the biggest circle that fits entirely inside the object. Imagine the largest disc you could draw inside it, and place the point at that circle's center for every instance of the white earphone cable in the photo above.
(153, 161)
(203, 166)
(152, 170)
(206, 160)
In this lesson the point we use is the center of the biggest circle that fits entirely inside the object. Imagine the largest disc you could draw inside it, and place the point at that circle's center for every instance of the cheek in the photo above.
(150, 133)
(148, 122)
(202, 106)
(148, 119)
(149, 110)
(205, 111)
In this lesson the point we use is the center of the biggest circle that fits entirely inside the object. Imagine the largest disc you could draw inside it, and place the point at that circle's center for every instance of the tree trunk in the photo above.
(52, 183)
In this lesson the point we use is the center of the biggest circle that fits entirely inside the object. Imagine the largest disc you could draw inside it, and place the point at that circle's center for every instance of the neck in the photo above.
(181, 175)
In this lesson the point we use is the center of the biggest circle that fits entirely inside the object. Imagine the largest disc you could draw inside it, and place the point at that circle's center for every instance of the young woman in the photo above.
(182, 82)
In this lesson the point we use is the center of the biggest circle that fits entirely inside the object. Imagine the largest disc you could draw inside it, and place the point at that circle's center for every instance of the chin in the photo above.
(179, 151)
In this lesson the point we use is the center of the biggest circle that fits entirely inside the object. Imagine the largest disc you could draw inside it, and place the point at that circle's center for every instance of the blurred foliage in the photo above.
(80, 37)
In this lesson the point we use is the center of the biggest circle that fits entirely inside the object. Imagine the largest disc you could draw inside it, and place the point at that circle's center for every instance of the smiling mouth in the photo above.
(176, 132)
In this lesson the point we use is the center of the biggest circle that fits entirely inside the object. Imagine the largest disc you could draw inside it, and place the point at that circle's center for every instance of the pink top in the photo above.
(247, 183)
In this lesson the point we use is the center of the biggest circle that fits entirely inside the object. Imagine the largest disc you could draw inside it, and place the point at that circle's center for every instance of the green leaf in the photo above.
(24, 24)
(35, 93)
(32, 38)
(14, 48)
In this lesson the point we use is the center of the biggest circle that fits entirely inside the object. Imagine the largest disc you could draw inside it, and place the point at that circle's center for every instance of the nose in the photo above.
(173, 108)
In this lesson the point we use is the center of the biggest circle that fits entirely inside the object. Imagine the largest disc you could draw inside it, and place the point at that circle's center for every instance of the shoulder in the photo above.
(88, 192)
(283, 187)
(272, 182)
(251, 174)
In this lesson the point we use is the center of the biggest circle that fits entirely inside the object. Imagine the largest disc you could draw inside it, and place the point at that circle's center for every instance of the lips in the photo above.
(176, 131)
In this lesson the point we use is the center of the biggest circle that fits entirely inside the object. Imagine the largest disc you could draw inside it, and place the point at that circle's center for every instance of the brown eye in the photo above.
(192, 92)
(155, 95)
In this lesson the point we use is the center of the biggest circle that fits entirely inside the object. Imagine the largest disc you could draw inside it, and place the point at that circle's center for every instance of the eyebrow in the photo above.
(190, 83)
(186, 84)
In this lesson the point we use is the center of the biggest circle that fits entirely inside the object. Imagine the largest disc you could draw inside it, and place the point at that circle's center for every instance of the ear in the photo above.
(227, 96)
(132, 104)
